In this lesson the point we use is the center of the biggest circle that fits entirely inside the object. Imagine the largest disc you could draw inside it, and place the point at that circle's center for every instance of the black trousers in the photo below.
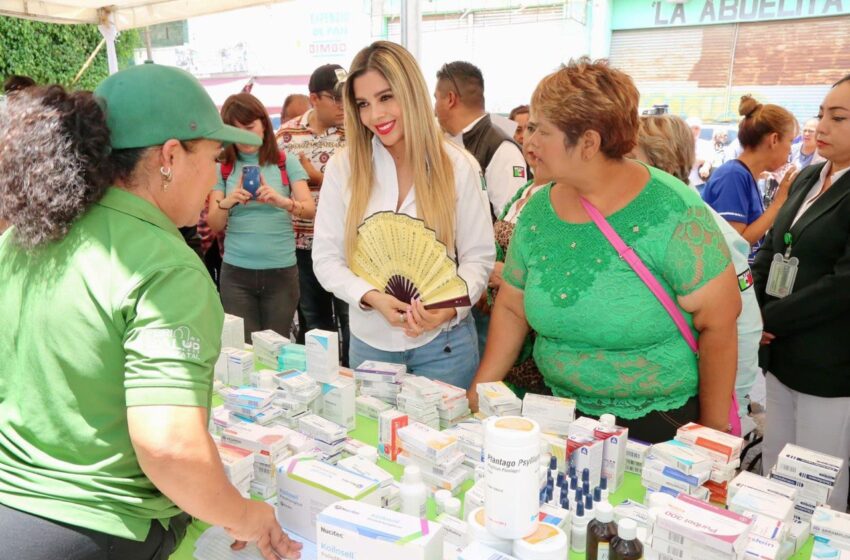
(265, 299)
(24, 536)
(658, 426)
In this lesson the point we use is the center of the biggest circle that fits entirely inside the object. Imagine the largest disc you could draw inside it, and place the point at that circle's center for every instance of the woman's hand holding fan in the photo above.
(421, 320)
(394, 311)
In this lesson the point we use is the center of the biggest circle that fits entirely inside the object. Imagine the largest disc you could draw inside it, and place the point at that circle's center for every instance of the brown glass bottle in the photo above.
(600, 531)
(626, 546)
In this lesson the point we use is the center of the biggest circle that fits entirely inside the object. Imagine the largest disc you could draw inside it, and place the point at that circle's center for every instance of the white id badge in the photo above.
(783, 273)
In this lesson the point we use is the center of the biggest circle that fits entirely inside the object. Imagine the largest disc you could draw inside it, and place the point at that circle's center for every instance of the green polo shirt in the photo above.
(118, 313)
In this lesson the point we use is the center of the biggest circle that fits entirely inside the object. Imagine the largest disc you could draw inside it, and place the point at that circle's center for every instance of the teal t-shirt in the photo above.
(259, 236)
(602, 337)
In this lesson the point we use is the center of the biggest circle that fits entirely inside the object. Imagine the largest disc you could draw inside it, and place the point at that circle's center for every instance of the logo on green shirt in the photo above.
(179, 342)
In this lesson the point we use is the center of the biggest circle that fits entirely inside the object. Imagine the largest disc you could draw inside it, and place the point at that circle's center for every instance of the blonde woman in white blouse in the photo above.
(397, 160)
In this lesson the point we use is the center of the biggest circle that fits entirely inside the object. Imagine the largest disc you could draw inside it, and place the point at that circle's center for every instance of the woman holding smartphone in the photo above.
(397, 160)
(258, 191)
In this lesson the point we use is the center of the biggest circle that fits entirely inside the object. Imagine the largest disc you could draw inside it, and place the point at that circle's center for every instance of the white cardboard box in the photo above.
(352, 530)
(306, 486)
(339, 402)
(322, 355)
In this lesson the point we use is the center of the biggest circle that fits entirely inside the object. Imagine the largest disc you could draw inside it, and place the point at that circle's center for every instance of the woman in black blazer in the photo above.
(806, 343)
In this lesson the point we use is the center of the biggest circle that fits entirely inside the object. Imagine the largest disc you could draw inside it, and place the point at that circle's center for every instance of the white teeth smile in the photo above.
(385, 128)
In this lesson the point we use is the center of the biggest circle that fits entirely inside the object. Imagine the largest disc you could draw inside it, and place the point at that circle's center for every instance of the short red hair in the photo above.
(590, 95)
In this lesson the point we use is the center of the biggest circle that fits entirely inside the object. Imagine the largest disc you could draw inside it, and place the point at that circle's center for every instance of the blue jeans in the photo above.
(456, 366)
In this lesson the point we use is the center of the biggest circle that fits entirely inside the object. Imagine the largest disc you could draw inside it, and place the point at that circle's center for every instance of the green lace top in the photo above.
(602, 337)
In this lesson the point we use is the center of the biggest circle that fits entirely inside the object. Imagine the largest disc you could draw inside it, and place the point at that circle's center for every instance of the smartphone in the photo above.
(251, 179)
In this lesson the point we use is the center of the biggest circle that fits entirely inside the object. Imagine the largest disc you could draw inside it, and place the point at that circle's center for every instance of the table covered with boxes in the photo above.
(377, 462)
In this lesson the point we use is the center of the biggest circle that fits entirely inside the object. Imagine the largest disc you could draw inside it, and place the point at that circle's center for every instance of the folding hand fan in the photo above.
(399, 255)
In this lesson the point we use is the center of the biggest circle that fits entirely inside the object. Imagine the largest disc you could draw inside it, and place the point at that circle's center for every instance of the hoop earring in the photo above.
(167, 175)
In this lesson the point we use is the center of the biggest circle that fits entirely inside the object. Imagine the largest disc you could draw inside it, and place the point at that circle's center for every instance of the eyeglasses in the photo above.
(809, 131)
(335, 98)
(446, 71)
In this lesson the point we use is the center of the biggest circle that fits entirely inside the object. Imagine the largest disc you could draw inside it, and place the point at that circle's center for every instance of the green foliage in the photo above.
(53, 53)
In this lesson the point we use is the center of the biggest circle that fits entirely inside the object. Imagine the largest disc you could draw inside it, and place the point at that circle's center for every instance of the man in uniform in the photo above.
(459, 105)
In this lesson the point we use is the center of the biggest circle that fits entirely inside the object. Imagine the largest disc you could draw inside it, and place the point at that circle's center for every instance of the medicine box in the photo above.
(350, 529)
(382, 372)
(808, 465)
(806, 490)
(715, 528)
(370, 407)
(240, 364)
(306, 486)
(832, 524)
(267, 444)
(636, 452)
(720, 446)
(233, 332)
(763, 503)
(687, 459)
(553, 414)
(614, 441)
(583, 426)
(427, 442)
(339, 402)
(322, 355)
(748, 479)
(586, 453)
(455, 531)
(389, 423)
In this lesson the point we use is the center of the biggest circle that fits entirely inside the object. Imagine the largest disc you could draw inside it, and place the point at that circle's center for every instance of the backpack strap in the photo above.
(226, 170)
(628, 254)
(281, 163)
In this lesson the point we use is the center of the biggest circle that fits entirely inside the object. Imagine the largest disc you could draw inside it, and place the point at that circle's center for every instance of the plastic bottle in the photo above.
(578, 533)
(413, 492)
(608, 420)
(588, 508)
(452, 507)
(626, 546)
(512, 455)
(440, 497)
(597, 496)
(553, 466)
(600, 531)
(603, 485)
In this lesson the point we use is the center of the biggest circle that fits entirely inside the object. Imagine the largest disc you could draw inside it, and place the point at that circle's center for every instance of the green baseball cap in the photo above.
(149, 104)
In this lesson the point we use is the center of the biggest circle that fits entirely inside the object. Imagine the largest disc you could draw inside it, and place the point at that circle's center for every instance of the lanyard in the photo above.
(788, 241)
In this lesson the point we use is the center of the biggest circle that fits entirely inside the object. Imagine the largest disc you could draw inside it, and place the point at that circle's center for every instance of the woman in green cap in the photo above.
(113, 324)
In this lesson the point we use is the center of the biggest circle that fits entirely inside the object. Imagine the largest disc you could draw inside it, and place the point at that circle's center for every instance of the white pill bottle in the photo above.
(512, 460)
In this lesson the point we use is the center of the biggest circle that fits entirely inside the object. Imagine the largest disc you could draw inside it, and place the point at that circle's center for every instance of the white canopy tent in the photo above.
(130, 14)
(118, 14)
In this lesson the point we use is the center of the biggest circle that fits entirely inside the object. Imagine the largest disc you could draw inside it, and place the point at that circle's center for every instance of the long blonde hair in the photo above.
(433, 175)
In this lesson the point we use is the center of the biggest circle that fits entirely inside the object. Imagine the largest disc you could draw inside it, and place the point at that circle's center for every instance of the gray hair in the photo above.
(55, 162)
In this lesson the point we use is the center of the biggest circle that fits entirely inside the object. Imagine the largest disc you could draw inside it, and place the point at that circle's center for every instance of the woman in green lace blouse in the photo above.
(602, 337)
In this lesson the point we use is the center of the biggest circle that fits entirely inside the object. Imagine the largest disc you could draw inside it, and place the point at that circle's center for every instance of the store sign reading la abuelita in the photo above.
(663, 13)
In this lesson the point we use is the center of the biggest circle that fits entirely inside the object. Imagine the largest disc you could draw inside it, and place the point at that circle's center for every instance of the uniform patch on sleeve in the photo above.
(745, 280)
(519, 171)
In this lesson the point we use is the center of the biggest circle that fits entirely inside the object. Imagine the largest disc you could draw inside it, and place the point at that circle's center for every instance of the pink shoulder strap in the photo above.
(628, 254)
